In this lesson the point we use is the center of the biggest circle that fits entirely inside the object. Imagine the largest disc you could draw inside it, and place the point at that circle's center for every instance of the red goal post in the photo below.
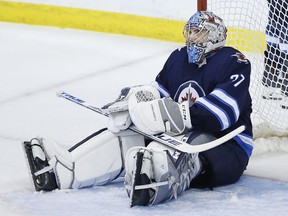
(201, 5)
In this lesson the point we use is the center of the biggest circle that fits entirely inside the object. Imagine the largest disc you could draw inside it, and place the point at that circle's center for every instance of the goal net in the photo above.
(257, 28)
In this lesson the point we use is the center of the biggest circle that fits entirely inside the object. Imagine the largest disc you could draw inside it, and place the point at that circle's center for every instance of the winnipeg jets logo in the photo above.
(188, 97)
(240, 58)
(189, 91)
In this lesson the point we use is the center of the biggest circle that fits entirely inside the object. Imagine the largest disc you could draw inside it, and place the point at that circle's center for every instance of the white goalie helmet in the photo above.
(204, 32)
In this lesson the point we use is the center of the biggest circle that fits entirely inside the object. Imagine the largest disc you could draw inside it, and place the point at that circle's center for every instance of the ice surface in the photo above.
(37, 62)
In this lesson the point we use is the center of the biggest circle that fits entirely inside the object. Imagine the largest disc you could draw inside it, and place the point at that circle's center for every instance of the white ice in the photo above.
(36, 63)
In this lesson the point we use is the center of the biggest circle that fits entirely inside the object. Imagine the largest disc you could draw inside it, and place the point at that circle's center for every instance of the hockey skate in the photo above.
(42, 174)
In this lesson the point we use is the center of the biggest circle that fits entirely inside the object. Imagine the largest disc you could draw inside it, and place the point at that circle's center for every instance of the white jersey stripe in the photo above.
(161, 89)
(247, 140)
(224, 98)
(217, 111)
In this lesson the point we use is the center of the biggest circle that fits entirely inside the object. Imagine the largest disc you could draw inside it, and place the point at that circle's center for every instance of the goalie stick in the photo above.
(161, 138)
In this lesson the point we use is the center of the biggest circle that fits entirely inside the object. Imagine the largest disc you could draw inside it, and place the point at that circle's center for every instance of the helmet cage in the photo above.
(205, 23)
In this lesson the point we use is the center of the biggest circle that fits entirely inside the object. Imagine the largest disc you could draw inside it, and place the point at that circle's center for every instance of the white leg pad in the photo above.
(170, 173)
(95, 162)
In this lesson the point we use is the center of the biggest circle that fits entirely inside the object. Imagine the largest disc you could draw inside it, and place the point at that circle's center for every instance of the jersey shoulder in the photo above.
(180, 52)
(228, 61)
(176, 57)
(234, 55)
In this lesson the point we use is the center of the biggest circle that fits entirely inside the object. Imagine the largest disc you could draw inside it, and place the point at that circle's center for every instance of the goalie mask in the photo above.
(204, 32)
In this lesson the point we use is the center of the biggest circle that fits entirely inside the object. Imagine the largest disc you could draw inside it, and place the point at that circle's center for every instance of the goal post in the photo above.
(258, 28)
(201, 5)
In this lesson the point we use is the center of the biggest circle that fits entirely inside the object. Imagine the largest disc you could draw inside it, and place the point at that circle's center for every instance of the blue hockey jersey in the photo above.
(217, 91)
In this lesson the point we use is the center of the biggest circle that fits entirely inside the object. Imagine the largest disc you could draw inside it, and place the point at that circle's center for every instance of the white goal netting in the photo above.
(250, 27)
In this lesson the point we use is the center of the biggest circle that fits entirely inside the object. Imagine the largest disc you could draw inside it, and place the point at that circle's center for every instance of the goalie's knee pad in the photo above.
(97, 161)
(161, 174)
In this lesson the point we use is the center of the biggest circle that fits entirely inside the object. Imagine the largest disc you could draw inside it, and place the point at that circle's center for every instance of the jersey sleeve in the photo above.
(161, 82)
(222, 108)
(162, 79)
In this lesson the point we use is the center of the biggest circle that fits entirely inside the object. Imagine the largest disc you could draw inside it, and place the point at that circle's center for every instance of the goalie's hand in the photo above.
(119, 117)
(160, 115)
